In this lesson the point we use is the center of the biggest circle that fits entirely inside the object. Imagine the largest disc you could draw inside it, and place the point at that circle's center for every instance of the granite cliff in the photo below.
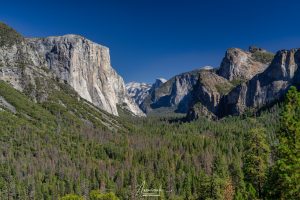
(206, 94)
(262, 89)
(240, 65)
(265, 88)
(172, 96)
(140, 91)
(245, 80)
(71, 59)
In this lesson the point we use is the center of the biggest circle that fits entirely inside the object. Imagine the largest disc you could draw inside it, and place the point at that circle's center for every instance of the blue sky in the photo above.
(161, 38)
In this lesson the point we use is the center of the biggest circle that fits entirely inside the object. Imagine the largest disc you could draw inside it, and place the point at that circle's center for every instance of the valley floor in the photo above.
(66, 146)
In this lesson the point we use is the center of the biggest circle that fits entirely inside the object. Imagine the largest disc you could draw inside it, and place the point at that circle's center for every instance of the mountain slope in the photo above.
(265, 88)
(253, 90)
(207, 93)
(240, 65)
(62, 146)
(173, 95)
(183, 93)
(71, 59)
(54, 142)
(138, 91)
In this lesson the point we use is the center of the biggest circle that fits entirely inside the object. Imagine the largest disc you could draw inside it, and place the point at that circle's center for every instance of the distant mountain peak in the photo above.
(207, 67)
(161, 80)
(140, 91)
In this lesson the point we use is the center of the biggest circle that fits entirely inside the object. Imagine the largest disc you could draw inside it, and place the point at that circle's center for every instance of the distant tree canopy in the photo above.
(97, 195)
(72, 197)
(63, 146)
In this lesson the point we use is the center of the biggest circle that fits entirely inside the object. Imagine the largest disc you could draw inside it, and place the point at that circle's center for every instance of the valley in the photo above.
(70, 128)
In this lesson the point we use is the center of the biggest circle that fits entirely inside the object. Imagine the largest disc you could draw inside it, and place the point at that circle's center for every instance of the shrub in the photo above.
(97, 195)
(8, 36)
(263, 57)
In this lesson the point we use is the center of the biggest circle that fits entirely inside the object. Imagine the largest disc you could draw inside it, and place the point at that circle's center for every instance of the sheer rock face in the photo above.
(9, 70)
(240, 65)
(207, 94)
(138, 91)
(265, 88)
(173, 95)
(20, 65)
(86, 67)
(72, 59)
(158, 82)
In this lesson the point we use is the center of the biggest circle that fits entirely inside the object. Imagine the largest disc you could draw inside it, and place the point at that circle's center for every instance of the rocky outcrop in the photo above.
(85, 66)
(207, 93)
(173, 95)
(241, 65)
(254, 49)
(138, 91)
(20, 64)
(158, 82)
(198, 110)
(265, 88)
(5, 104)
(71, 59)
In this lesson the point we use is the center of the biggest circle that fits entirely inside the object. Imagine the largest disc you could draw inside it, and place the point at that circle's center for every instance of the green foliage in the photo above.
(97, 195)
(64, 145)
(8, 36)
(236, 82)
(263, 57)
(252, 193)
(224, 89)
(284, 177)
(257, 152)
(72, 197)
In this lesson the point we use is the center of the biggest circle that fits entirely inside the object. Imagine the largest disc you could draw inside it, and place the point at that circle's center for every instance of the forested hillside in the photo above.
(65, 145)
(54, 144)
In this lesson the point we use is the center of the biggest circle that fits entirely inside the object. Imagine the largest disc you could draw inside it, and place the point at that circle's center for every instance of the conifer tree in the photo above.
(256, 159)
(284, 179)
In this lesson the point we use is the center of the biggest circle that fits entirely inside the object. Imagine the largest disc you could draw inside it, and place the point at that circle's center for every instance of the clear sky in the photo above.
(161, 38)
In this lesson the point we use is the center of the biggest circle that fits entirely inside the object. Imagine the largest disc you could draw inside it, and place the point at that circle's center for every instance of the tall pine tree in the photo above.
(284, 179)
(257, 152)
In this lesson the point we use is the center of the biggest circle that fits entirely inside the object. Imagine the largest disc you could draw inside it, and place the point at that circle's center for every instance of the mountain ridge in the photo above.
(71, 59)
(245, 79)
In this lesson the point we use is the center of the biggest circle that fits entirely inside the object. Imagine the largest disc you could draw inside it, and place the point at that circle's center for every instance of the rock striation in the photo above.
(240, 65)
(71, 59)
(138, 91)
(172, 96)
(265, 88)
(206, 95)
(246, 80)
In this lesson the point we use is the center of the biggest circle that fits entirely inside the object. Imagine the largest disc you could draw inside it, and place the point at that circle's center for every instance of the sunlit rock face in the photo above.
(173, 95)
(138, 91)
(86, 67)
(265, 88)
(206, 95)
(238, 64)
